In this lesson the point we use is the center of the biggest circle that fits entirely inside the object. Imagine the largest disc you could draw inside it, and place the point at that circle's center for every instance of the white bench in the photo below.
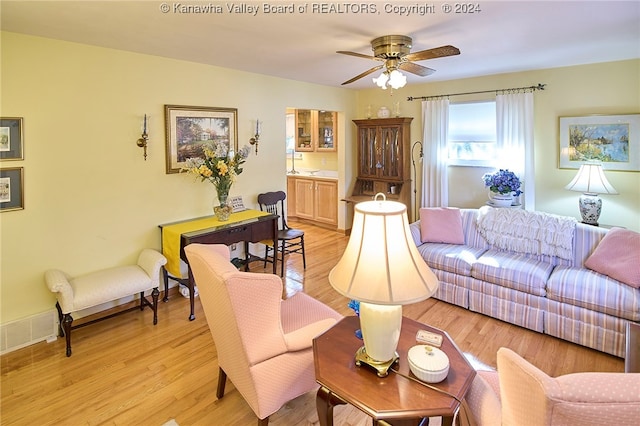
(95, 288)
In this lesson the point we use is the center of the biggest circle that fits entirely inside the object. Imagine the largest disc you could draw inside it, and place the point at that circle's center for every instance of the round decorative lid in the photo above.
(428, 358)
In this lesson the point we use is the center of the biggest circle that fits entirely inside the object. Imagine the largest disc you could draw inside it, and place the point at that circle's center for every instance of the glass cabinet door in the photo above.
(326, 131)
(304, 130)
(367, 150)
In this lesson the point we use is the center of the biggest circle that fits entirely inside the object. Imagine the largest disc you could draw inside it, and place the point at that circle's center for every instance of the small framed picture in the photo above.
(188, 127)
(11, 143)
(11, 189)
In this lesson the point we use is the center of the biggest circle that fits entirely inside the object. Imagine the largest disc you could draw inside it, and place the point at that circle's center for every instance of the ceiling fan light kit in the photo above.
(395, 52)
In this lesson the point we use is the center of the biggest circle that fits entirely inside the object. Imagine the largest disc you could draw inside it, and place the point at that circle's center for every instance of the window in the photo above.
(472, 133)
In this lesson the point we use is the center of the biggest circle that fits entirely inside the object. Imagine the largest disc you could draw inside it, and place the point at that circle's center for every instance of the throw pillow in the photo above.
(441, 225)
(618, 256)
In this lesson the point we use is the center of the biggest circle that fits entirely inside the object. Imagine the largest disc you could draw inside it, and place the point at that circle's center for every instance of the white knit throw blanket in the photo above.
(528, 232)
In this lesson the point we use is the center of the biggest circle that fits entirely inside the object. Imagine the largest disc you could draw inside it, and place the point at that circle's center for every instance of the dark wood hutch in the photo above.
(384, 160)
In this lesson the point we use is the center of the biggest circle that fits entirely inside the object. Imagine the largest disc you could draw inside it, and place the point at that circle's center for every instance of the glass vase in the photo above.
(223, 209)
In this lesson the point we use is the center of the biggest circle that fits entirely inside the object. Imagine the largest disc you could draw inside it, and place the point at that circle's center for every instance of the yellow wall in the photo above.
(91, 201)
(606, 88)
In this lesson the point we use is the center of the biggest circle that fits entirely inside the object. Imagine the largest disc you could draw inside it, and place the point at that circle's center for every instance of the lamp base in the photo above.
(590, 208)
(381, 367)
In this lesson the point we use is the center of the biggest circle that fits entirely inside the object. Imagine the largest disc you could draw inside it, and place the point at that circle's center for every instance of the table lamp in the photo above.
(382, 269)
(591, 181)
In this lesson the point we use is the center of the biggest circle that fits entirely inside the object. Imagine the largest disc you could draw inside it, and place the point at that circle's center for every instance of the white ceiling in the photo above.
(503, 36)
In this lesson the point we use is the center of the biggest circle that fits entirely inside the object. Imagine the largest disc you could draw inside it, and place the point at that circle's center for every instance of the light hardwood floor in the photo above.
(125, 371)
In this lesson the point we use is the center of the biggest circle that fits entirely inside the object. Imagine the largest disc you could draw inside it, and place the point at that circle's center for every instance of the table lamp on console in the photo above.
(382, 269)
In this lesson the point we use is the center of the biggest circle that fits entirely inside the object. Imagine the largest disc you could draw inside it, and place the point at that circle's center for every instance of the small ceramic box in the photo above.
(428, 364)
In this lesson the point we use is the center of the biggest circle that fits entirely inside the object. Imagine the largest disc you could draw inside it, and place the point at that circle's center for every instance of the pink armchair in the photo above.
(521, 394)
(263, 342)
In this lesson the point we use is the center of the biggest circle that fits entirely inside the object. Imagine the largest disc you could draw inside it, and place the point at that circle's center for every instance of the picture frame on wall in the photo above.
(11, 189)
(189, 127)
(11, 140)
(612, 140)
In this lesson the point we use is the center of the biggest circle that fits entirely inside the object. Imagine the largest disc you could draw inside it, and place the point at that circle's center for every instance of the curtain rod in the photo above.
(540, 86)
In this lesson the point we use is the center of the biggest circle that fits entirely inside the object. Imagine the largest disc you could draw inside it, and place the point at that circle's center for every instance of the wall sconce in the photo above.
(142, 141)
(256, 138)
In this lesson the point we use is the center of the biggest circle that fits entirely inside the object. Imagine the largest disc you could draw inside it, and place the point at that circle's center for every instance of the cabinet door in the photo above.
(326, 128)
(326, 201)
(304, 130)
(368, 163)
(390, 152)
(304, 198)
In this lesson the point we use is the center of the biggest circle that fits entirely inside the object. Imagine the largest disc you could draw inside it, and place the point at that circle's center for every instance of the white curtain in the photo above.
(514, 113)
(435, 122)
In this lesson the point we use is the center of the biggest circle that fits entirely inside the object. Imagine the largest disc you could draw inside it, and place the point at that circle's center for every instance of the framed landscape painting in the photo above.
(612, 140)
(189, 127)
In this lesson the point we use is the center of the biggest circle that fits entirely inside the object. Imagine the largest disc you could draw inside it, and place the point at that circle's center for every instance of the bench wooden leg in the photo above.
(154, 295)
(66, 324)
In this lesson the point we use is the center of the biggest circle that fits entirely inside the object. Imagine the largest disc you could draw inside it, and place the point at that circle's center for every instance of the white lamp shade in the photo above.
(381, 81)
(381, 263)
(591, 180)
(397, 79)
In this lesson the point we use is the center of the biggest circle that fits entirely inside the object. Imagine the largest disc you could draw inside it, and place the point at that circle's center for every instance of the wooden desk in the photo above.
(247, 226)
(394, 399)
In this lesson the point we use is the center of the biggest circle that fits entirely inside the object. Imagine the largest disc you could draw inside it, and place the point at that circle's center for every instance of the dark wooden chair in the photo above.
(290, 240)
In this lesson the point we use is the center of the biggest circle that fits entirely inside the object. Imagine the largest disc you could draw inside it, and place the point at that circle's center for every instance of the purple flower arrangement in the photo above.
(503, 181)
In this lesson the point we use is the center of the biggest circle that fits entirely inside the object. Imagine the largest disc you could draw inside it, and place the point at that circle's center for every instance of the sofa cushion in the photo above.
(450, 257)
(441, 225)
(512, 270)
(594, 291)
(617, 256)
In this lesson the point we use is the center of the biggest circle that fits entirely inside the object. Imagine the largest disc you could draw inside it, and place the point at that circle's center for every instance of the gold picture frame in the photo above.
(11, 139)
(612, 140)
(11, 189)
(188, 127)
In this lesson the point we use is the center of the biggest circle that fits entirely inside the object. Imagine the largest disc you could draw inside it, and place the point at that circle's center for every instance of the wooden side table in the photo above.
(394, 399)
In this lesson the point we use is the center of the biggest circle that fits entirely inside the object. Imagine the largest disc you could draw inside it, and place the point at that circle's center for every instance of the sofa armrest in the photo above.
(415, 233)
(58, 282)
(151, 261)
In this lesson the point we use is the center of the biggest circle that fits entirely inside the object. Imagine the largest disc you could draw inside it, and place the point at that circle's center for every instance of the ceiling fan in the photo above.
(394, 51)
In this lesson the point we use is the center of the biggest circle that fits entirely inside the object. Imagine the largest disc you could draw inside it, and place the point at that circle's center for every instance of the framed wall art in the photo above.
(11, 189)
(613, 140)
(11, 143)
(188, 127)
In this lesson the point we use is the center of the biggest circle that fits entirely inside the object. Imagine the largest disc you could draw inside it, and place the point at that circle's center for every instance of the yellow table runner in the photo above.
(171, 234)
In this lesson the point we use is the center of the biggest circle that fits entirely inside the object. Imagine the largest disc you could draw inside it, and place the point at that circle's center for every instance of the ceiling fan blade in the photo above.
(416, 69)
(364, 74)
(359, 55)
(437, 52)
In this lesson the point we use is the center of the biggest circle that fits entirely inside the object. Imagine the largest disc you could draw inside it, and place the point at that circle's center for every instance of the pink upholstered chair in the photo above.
(263, 342)
(521, 394)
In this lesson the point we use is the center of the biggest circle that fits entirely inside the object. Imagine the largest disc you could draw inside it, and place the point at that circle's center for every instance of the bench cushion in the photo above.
(106, 285)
